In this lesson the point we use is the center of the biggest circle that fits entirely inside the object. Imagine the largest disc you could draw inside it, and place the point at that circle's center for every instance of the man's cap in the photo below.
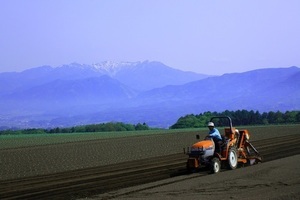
(210, 124)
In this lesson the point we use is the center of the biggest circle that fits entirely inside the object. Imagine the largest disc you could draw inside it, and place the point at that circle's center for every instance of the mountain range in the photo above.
(137, 92)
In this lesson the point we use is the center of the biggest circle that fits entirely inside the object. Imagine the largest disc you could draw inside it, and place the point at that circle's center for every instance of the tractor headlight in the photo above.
(197, 151)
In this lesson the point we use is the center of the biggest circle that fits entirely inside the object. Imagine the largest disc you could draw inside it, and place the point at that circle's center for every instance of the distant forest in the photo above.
(102, 127)
(239, 117)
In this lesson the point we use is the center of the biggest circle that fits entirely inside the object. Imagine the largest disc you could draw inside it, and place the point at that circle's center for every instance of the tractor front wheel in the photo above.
(215, 165)
(232, 158)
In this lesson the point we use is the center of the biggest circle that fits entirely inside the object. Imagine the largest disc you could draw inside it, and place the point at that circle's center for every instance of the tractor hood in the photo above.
(203, 145)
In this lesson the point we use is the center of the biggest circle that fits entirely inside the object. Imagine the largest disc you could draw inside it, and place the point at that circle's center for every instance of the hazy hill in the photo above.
(148, 75)
(81, 94)
(255, 89)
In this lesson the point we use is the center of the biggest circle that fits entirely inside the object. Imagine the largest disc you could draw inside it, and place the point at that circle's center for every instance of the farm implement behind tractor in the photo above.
(234, 149)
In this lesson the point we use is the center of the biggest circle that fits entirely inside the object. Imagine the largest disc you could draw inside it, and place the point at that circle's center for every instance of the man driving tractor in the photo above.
(215, 135)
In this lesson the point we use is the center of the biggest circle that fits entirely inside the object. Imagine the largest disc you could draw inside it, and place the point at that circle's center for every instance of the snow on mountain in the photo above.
(140, 76)
(112, 68)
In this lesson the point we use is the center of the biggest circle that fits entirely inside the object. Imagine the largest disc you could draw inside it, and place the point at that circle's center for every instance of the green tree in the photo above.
(290, 116)
(140, 126)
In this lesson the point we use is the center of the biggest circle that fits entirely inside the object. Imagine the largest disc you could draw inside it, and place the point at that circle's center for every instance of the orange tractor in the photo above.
(234, 149)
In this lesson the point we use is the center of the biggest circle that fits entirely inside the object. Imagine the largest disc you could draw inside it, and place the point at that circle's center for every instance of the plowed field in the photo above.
(125, 162)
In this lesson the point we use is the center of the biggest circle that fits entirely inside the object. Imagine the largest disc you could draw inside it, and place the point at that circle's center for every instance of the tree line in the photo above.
(101, 127)
(239, 117)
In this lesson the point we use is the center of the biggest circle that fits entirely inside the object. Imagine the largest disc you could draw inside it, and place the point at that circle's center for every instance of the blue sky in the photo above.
(211, 37)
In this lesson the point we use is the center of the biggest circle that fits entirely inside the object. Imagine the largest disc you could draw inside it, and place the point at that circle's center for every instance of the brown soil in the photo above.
(278, 179)
(46, 169)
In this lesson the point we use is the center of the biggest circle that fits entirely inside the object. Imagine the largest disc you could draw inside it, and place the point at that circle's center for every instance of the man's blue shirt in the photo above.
(215, 134)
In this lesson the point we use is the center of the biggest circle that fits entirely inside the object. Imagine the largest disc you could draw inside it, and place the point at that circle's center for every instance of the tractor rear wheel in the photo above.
(215, 165)
(232, 158)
